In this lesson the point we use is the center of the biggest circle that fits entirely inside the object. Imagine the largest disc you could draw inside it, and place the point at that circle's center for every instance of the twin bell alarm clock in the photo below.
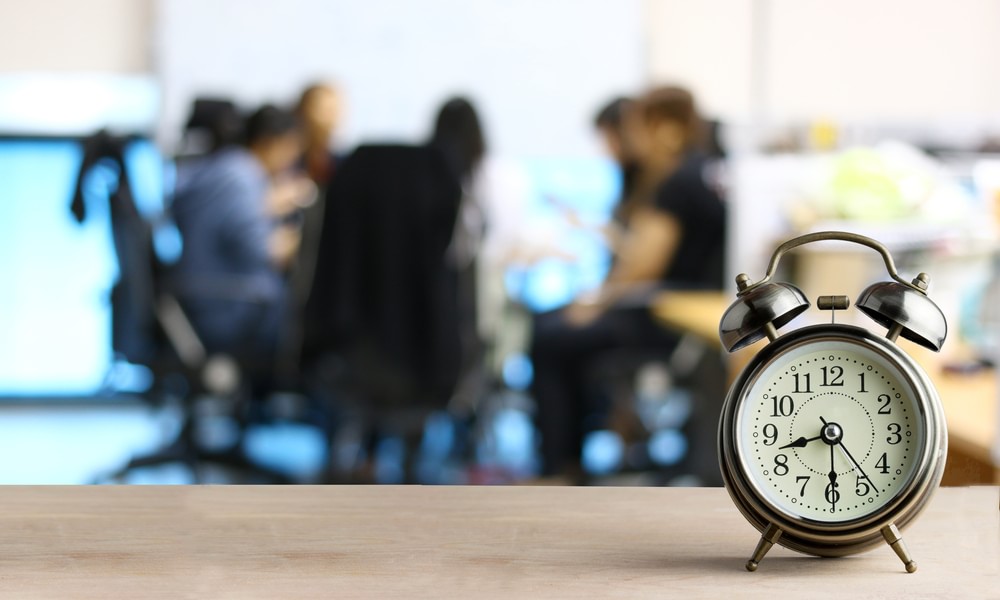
(832, 438)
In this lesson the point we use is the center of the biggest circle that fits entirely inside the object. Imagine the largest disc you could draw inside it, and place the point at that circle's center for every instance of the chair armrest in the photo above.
(180, 332)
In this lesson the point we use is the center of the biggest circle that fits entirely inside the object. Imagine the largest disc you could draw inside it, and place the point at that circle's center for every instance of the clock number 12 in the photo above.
(833, 376)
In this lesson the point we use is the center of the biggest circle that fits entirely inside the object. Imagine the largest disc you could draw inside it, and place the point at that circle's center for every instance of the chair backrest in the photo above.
(385, 295)
(146, 324)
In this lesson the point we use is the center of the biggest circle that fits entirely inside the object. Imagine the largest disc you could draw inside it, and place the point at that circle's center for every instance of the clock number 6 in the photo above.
(832, 493)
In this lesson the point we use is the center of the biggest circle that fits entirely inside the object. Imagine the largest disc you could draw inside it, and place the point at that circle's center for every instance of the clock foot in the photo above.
(892, 537)
(767, 539)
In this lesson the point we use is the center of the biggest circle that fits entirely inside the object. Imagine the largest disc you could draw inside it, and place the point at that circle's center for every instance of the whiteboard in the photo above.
(537, 69)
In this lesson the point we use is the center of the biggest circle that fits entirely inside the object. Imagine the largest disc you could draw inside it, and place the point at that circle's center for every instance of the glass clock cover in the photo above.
(830, 431)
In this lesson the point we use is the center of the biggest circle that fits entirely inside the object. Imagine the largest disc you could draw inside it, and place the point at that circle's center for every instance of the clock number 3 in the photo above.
(895, 437)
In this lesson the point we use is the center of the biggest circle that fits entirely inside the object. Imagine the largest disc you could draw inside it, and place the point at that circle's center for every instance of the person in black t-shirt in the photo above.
(674, 237)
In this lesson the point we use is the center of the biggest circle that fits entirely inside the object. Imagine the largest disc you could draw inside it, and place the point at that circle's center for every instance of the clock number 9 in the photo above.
(771, 433)
(781, 465)
(783, 407)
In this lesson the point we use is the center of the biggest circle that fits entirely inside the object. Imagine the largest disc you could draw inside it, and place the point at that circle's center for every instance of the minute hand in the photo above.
(857, 466)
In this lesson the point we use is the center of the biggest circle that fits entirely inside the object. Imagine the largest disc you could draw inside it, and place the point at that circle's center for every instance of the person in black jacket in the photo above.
(673, 238)
(385, 297)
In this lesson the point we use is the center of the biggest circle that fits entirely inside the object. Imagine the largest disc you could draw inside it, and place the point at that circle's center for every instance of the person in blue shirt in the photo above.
(228, 207)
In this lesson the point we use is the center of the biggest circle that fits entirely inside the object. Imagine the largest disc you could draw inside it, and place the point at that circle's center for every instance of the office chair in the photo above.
(383, 318)
(665, 394)
(150, 328)
(667, 399)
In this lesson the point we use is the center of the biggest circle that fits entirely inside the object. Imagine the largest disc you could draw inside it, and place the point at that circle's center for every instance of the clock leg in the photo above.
(892, 537)
(769, 537)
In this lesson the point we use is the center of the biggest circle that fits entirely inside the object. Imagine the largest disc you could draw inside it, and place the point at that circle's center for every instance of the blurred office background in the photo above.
(880, 118)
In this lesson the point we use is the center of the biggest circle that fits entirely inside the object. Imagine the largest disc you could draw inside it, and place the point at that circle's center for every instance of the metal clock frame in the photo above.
(838, 538)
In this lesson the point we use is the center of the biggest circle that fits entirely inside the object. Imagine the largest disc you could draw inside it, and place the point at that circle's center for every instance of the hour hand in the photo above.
(799, 443)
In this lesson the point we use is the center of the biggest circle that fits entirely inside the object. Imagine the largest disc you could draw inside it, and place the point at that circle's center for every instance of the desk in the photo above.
(969, 401)
(693, 312)
(456, 542)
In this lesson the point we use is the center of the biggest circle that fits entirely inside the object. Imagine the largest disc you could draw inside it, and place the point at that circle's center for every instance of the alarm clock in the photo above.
(832, 439)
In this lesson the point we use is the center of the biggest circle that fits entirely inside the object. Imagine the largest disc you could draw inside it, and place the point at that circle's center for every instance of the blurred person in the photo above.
(458, 136)
(229, 208)
(213, 124)
(610, 124)
(673, 238)
(616, 137)
(319, 109)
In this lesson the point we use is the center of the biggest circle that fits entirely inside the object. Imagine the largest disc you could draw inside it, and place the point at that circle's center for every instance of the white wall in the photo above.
(705, 46)
(848, 60)
(891, 59)
(538, 70)
(71, 35)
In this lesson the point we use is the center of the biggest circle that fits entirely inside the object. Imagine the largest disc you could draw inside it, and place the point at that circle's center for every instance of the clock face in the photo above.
(830, 431)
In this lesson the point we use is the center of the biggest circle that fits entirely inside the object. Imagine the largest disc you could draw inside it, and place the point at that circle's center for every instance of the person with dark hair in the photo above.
(673, 238)
(213, 124)
(459, 135)
(319, 110)
(610, 124)
(229, 277)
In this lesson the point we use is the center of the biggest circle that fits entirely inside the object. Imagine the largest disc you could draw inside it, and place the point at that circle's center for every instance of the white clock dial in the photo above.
(830, 431)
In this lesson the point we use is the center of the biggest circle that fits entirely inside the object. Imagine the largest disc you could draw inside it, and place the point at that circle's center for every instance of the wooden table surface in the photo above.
(693, 312)
(457, 542)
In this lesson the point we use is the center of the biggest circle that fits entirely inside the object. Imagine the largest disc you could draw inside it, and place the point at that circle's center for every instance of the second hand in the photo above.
(840, 443)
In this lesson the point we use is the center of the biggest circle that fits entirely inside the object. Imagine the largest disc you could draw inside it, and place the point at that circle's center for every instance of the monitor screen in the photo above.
(56, 274)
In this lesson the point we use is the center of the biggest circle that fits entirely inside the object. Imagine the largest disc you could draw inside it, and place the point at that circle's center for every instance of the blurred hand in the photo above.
(289, 194)
(284, 245)
(581, 314)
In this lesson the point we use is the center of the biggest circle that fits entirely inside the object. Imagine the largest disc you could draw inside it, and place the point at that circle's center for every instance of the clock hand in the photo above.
(833, 482)
(860, 470)
(800, 443)
(840, 442)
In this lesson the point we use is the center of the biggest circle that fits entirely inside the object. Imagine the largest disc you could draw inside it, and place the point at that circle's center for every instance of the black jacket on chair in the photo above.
(385, 297)
(133, 327)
